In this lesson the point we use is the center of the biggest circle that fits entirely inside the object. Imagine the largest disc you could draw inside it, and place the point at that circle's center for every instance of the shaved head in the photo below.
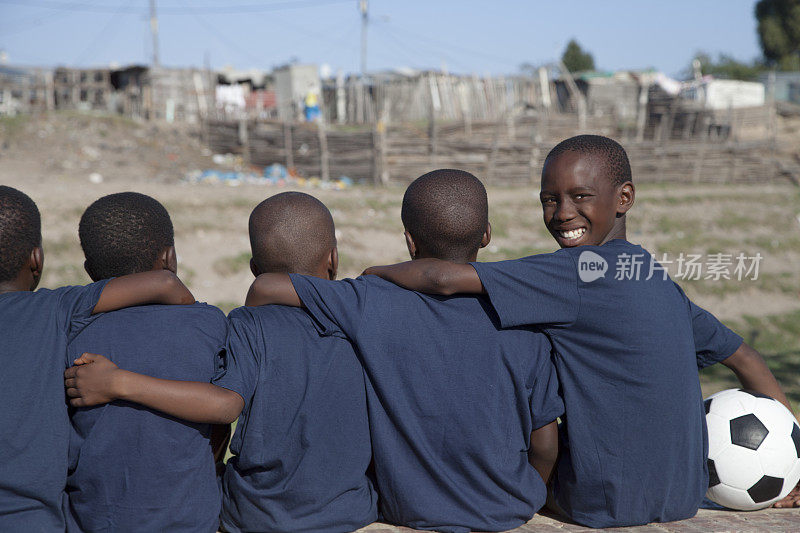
(291, 232)
(609, 151)
(446, 212)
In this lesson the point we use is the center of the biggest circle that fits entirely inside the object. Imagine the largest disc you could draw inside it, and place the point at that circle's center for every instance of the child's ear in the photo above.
(333, 263)
(254, 268)
(487, 236)
(411, 245)
(627, 195)
(169, 259)
(88, 269)
(36, 265)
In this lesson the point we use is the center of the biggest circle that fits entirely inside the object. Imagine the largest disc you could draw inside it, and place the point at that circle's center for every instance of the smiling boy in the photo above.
(627, 344)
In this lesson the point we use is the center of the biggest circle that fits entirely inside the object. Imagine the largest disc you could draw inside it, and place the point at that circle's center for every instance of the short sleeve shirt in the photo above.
(301, 449)
(34, 330)
(452, 400)
(133, 468)
(627, 345)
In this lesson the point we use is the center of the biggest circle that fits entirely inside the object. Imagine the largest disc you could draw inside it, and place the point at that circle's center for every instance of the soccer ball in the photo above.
(753, 450)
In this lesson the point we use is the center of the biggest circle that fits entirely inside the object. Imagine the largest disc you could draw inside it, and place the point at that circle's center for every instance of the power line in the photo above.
(34, 21)
(227, 42)
(451, 46)
(175, 10)
(419, 50)
(102, 33)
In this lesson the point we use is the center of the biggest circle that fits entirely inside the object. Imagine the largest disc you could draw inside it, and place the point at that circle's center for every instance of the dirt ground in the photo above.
(57, 161)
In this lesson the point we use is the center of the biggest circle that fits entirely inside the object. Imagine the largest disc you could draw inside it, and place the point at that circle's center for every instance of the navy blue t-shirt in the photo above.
(301, 448)
(131, 468)
(452, 401)
(34, 330)
(627, 349)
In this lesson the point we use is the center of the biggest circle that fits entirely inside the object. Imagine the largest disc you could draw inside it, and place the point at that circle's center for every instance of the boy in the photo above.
(457, 407)
(301, 447)
(626, 346)
(34, 330)
(131, 468)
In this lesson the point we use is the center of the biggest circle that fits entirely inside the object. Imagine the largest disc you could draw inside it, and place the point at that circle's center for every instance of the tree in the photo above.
(576, 59)
(779, 32)
(727, 67)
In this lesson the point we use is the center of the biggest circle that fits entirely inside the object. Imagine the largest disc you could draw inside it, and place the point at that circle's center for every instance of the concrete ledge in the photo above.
(768, 520)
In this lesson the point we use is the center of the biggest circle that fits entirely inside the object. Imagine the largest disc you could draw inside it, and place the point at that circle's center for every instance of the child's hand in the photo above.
(791, 500)
(91, 381)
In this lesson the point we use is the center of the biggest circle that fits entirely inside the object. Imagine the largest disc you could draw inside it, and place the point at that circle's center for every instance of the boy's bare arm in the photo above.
(152, 287)
(269, 289)
(96, 380)
(432, 276)
(543, 454)
(220, 437)
(753, 373)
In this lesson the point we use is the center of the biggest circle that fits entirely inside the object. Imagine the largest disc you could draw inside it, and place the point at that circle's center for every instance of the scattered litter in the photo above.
(229, 160)
(275, 174)
(91, 153)
(276, 171)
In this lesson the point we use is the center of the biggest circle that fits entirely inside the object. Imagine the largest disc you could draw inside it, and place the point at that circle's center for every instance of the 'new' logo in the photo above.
(591, 266)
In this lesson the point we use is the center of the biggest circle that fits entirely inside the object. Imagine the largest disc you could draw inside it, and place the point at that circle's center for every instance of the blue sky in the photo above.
(467, 36)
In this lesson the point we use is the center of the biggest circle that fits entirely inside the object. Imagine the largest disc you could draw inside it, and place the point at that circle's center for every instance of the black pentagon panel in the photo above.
(767, 488)
(796, 439)
(757, 394)
(707, 404)
(747, 431)
(713, 478)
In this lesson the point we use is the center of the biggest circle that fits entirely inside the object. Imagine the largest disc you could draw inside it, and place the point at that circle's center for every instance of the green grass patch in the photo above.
(61, 275)
(10, 127)
(226, 306)
(505, 252)
(777, 337)
(234, 264)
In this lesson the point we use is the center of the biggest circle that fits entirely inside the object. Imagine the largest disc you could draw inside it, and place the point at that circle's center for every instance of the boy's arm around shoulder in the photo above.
(152, 287)
(272, 289)
(95, 380)
(431, 276)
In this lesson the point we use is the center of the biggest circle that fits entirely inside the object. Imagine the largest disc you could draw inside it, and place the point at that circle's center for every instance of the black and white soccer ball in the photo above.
(753, 450)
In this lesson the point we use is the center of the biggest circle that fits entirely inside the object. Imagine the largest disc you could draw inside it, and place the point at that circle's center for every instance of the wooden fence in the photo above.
(499, 152)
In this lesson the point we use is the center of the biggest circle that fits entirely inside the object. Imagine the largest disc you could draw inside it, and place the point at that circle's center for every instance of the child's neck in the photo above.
(617, 232)
(13, 286)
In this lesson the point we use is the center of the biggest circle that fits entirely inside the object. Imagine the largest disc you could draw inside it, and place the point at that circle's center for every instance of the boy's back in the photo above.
(301, 447)
(136, 469)
(627, 352)
(35, 328)
(452, 401)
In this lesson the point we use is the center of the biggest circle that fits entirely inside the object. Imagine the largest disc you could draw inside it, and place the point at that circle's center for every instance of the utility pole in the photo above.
(363, 6)
(154, 31)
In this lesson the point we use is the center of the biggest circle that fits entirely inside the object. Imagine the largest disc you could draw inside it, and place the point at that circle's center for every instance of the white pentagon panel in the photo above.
(738, 467)
(777, 457)
(747, 401)
(721, 394)
(719, 434)
(731, 497)
(791, 479)
(775, 416)
(727, 404)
